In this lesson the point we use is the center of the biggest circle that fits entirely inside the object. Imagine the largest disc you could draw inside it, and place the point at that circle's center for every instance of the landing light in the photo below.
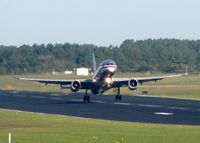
(108, 80)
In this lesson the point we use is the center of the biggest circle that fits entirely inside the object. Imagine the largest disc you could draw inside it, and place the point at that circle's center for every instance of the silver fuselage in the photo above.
(103, 78)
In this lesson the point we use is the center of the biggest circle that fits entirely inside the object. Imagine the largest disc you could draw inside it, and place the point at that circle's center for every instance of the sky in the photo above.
(98, 22)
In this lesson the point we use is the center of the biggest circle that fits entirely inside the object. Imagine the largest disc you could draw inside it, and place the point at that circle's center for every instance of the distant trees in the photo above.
(163, 55)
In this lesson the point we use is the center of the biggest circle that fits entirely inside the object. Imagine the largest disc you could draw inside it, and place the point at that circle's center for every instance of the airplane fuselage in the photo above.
(103, 78)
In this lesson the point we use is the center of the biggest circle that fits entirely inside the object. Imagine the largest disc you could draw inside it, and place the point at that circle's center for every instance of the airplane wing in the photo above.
(118, 82)
(84, 83)
(87, 84)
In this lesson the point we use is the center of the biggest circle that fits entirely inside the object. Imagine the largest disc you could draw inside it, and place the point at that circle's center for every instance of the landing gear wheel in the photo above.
(86, 97)
(118, 96)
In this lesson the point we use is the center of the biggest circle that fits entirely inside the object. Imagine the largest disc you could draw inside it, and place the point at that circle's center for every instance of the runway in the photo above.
(132, 108)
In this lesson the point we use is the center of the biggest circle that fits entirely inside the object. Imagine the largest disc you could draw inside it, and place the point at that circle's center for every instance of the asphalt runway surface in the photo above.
(132, 108)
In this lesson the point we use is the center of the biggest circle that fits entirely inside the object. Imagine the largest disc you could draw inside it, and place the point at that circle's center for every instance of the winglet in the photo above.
(94, 62)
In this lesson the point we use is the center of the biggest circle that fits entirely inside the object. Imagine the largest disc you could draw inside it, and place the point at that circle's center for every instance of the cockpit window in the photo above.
(110, 64)
(107, 62)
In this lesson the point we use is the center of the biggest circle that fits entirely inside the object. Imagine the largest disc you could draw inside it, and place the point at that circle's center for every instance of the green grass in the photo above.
(43, 128)
(181, 87)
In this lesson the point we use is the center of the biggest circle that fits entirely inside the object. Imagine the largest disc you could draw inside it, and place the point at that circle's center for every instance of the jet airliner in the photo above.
(102, 80)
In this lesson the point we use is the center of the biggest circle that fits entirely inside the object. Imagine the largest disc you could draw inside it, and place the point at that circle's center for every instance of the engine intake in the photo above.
(75, 86)
(132, 84)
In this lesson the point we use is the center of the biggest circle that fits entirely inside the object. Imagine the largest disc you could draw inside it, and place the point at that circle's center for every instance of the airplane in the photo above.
(102, 81)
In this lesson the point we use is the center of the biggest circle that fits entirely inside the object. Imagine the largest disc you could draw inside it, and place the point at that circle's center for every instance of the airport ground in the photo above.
(41, 128)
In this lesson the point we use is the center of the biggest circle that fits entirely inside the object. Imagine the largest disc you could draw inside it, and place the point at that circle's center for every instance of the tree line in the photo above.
(154, 55)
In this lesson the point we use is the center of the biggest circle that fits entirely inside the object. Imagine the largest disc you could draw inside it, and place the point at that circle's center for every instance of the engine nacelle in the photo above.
(75, 85)
(132, 84)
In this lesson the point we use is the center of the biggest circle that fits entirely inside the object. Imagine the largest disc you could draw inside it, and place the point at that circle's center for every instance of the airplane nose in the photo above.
(111, 69)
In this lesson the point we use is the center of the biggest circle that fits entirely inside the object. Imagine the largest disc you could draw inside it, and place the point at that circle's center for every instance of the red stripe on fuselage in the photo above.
(110, 66)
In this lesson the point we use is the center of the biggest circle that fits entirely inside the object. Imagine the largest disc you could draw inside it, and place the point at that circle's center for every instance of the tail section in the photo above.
(94, 63)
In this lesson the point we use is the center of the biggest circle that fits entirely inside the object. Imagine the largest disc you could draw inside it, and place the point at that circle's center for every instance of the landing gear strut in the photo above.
(86, 97)
(118, 96)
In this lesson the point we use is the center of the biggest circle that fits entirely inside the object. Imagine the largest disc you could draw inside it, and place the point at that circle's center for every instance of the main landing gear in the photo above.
(118, 96)
(86, 97)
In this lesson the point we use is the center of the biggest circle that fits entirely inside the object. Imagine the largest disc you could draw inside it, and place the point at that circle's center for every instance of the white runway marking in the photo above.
(13, 92)
(76, 100)
(143, 95)
(97, 101)
(165, 97)
(163, 113)
(55, 94)
(39, 97)
(118, 103)
(20, 95)
(180, 108)
(148, 105)
(56, 98)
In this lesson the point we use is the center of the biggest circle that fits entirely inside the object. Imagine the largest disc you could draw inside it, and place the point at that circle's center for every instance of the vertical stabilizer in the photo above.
(94, 62)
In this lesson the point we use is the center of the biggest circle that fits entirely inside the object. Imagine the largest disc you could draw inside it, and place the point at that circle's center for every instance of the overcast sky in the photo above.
(99, 22)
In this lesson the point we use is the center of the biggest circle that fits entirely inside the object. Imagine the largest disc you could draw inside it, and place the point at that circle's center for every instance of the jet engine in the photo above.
(75, 86)
(132, 84)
